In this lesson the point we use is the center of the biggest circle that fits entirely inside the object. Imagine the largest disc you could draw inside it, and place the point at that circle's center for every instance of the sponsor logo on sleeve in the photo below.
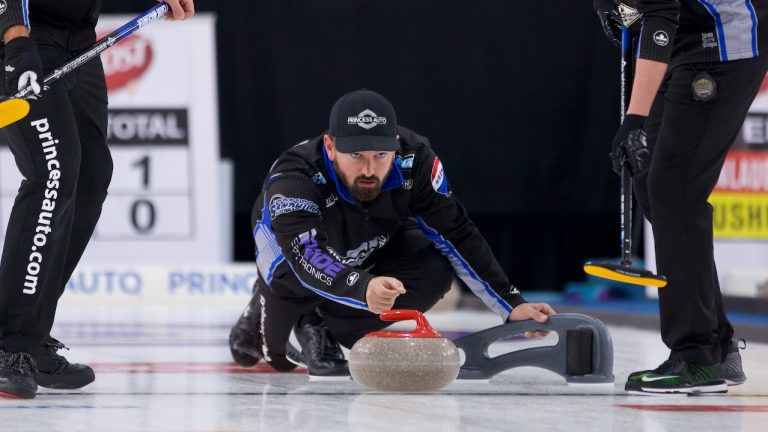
(708, 40)
(318, 178)
(405, 162)
(439, 182)
(315, 260)
(3, 6)
(661, 38)
(352, 278)
(280, 205)
(367, 119)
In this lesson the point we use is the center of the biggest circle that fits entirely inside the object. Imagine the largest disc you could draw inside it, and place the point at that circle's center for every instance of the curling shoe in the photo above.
(245, 339)
(16, 376)
(55, 372)
(320, 353)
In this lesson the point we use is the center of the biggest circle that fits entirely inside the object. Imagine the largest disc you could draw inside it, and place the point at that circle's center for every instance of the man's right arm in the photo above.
(292, 214)
(22, 64)
(656, 42)
(657, 39)
(14, 21)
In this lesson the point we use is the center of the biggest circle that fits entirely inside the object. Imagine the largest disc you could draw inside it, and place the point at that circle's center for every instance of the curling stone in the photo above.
(404, 361)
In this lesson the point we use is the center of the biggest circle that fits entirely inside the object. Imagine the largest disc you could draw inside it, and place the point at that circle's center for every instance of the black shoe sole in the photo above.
(65, 381)
(708, 388)
(18, 395)
(329, 373)
(18, 389)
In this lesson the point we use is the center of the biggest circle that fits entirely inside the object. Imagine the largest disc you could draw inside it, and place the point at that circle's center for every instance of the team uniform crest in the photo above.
(439, 182)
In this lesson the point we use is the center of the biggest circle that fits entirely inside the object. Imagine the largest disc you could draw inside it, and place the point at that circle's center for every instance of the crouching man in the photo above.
(351, 223)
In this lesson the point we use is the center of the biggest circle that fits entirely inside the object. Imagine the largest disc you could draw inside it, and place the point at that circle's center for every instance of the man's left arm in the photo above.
(445, 222)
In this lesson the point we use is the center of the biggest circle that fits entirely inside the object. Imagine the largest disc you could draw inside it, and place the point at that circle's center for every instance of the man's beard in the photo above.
(361, 193)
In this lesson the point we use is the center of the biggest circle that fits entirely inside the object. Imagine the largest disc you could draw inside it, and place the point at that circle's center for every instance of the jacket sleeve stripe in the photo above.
(25, 11)
(344, 300)
(753, 17)
(270, 255)
(720, 31)
(462, 268)
(731, 20)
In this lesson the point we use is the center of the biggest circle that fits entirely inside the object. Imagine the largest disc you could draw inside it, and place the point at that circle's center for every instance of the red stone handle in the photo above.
(423, 329)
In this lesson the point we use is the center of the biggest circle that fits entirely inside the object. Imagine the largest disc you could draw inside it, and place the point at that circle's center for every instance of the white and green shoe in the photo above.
(676, 376)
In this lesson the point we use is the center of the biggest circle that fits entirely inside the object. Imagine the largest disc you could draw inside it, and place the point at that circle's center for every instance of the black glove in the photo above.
(23, 66)
(630, 144)
(608, 12)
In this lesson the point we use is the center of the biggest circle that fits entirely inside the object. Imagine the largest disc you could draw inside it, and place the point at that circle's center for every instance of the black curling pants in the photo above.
(409, 257)
(689, 141)
(60, 149)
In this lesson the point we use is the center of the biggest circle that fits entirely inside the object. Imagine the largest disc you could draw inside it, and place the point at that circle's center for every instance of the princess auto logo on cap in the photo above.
(367, 119)
(127, 61)
(439, 182)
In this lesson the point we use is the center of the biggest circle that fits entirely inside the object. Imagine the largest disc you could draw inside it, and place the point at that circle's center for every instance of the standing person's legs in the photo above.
(87, 93)
(89, 103)
(46, 147)
(409, 257)
(693, 141)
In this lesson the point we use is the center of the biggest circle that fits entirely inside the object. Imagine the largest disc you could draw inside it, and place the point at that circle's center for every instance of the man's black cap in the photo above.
(364, 121)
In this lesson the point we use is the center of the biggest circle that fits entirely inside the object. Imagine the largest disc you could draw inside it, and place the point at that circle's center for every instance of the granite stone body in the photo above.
(404, 364)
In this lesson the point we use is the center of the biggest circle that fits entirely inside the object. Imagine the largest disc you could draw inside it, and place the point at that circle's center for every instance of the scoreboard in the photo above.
(152, 192)
(170, 196)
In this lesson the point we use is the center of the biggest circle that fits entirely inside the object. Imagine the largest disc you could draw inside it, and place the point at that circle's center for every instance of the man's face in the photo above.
(362, 172)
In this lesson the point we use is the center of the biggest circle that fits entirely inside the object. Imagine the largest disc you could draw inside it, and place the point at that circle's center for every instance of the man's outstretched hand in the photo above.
(538, 312)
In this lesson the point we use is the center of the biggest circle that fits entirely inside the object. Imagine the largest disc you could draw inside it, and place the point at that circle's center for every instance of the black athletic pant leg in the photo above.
(46, 148)
(89, 103)
(278, 315)
(59, 201)
(689, 141)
